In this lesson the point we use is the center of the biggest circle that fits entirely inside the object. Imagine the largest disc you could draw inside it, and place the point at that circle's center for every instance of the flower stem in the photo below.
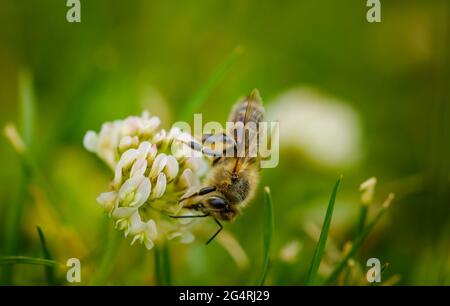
(107, 262)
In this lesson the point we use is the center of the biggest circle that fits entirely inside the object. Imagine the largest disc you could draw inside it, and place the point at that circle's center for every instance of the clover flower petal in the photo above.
(144, 232)
(123, 213)
(171, 168)
(107, 200)
(139, 167)
(187, 179)
(126, 160)
(135, 191)
(158, 165)
(149, 126)
(160, 186)
(144, 149)
(128, 142)
(91, 141)
(183, 237)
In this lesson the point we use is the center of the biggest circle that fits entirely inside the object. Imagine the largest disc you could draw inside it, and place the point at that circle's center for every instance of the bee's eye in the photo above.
(217, 202)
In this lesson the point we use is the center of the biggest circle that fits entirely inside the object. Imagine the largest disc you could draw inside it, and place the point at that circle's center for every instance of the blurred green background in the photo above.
(391, 78)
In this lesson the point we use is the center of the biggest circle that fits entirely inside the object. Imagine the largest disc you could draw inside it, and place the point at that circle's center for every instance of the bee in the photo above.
(233, 178)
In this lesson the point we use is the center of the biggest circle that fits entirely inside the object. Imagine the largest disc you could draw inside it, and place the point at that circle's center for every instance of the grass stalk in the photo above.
(159, 279)
(14, 213)
(13, 260)
(320, 248)
(163, 275)
(268, 232)
(362, 219)
(107, 261)
(49, 270)
(166, 264)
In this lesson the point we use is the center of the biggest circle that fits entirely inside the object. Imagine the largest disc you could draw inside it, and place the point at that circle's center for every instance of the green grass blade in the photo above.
(166, 265)
(49, 271)
(12, 226)
(13, 215)
(320, 248)
(162, 265)
(362, 219)
(196, 101)
(159, 279)
(347, 276)
(358, 243)
(27, 106)
(13, 260)
(268, 232)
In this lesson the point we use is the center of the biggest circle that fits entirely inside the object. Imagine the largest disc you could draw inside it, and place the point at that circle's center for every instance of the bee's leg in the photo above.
(202, 191)
(194, 145)
(186, 216)
(206, 136)
(216, 160)
(216, 138)
(216, 233)
(210, 139)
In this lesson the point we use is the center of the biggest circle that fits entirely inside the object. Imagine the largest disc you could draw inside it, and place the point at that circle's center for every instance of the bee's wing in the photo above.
(250, 111)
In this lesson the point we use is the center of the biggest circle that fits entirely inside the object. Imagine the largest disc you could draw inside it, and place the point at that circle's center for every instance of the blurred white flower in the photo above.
(139, 154)
(12, 134)
(326, 129)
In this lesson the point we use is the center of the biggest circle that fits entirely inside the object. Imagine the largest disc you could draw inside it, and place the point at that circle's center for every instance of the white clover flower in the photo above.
(148, 179)
(325, 129)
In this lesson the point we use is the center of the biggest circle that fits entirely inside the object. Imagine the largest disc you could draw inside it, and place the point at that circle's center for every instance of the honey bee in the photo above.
(233, 178)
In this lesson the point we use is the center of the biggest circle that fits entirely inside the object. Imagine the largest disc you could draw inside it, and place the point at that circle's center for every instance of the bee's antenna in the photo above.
(216, 233)
(203, 191)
